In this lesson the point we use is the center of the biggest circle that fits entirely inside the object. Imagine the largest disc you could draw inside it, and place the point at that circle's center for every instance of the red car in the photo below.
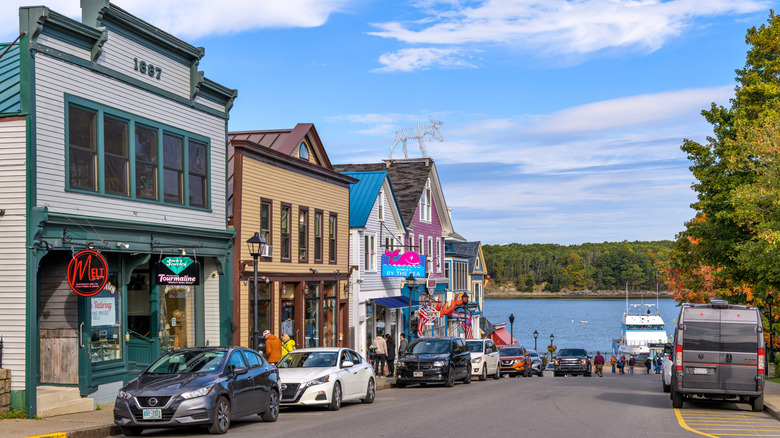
(514, 360)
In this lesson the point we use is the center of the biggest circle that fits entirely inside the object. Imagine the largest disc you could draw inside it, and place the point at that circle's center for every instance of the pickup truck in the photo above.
(572, 361)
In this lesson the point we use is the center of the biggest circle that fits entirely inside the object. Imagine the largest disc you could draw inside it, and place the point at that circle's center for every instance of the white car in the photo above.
(484, 358)
(325, 376)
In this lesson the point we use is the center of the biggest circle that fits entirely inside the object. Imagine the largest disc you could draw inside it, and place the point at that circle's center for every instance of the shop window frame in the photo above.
(133, 120)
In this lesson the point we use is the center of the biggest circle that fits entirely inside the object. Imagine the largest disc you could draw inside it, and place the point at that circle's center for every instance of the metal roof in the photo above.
(10, 88)
(362, 196)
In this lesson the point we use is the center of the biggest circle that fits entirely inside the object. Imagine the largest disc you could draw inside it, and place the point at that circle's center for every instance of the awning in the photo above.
(502, 337)
(394, 302)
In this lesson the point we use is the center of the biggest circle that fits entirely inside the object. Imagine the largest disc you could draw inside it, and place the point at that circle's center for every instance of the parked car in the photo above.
(325, 376)
(719, 353)
(536, 363)
(484, 358)
(208, 386)
(515, 361)
(572, 361)
(434, 360)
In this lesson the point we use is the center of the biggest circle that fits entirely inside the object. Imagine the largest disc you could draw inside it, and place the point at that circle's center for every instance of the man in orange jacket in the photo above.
(273, 347)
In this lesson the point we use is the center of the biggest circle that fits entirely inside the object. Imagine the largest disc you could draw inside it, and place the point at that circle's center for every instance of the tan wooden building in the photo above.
(282, 185)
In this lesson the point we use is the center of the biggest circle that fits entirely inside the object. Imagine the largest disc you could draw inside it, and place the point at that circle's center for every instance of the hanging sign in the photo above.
(178, 271)
(87, 273)
(394, 265)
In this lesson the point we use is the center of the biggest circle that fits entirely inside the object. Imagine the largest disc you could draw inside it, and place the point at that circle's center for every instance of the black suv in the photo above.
(434, 360)
(572, 361)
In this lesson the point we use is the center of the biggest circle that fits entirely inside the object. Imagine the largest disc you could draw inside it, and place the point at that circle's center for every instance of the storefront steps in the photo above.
(61, 400)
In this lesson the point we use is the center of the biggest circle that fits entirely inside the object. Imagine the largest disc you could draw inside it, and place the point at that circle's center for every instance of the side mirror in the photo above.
(240, 370)
(347, 364)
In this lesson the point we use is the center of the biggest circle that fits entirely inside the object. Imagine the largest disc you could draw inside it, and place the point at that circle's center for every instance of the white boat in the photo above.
(642, 325)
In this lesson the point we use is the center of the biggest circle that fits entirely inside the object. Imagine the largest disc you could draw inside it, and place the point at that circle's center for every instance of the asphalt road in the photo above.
(578, 407)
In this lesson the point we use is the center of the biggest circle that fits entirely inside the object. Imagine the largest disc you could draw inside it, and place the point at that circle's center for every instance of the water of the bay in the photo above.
(575, 322)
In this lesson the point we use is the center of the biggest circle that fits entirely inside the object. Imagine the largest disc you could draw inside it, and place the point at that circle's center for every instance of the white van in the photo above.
(719, 353)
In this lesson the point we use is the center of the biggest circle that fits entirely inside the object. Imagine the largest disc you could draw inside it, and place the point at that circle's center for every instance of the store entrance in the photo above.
(142, 328)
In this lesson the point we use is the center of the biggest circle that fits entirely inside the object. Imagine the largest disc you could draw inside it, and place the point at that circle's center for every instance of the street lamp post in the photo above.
(551, 343)
(255, 246)
(771, 355)
(536, 335)
(512, 328)
(411, 284)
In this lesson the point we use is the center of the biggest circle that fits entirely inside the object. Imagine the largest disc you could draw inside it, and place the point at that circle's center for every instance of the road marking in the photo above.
(723, 423)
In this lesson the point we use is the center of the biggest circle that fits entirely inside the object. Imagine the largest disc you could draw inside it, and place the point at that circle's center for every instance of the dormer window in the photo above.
(303, 152)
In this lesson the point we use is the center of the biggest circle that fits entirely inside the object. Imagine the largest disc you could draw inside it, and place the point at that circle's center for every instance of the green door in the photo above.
(100, 332)
(143, 328)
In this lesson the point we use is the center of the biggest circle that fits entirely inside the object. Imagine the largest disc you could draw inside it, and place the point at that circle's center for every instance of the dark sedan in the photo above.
(430, 360)
(199, 386)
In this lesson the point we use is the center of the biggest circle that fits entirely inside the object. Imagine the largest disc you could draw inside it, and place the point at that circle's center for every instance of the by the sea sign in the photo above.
(87, 273)
(178, 271)
(395, 265)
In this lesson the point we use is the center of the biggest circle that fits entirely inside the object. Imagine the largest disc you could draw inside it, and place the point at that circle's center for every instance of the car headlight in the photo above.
(197, 393)
(320, 381)
(557, 362)
(440, 363)
(476, 360)
(124, 395)
(584, 361)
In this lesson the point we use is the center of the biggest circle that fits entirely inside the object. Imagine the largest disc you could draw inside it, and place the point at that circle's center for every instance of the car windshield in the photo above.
(511, 352)
(534, 354)
(475, 346)
(178, 362)
(429, 346)
(309, 359)
(572, 352)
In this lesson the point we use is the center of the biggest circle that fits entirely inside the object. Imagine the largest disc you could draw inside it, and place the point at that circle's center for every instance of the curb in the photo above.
(771, 410)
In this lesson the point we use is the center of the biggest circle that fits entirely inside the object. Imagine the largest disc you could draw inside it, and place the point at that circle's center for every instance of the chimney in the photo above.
(90, 9)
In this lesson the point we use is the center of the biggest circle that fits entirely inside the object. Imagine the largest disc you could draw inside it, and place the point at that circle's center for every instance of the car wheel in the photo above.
(677, 399)
(271, 412)
(497, 375)
(370, 392)
(221, 422)
(131, 431)
(483, 376)
(450, 382)
(757, 403)
(467, 379)
(335, 402)
(666, 387)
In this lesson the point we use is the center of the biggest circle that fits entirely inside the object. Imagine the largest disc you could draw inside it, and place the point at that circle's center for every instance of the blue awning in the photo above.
(395, 302)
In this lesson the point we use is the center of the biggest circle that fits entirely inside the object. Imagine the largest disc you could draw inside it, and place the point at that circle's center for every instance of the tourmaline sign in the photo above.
(182, 271)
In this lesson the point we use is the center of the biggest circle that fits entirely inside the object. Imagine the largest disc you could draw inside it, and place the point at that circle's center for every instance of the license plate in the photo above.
(700, 371)
(418, 374)
(152, 414)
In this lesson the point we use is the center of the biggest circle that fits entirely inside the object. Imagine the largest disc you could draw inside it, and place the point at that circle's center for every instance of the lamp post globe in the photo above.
(255, 247)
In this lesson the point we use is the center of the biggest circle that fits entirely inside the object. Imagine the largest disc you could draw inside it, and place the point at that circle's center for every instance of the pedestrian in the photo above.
(631, 364)
(658, 363)
(598, 361)
(390, 355)
(613, 362)
(381, 354)
(648, 364)
(402, 346)
(288, 344)
(622, 364)
(273, 347)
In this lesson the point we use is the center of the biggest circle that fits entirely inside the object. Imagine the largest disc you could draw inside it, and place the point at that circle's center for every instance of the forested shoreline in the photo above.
(553, 268)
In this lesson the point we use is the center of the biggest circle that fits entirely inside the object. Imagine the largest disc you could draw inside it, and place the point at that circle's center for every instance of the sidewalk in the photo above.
(96, 424)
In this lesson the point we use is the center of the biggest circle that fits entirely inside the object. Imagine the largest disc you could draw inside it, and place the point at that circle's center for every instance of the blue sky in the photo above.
(562, 119)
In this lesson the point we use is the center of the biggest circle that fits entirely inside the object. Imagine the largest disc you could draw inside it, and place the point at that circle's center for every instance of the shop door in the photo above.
(141, 327)
(100, 330)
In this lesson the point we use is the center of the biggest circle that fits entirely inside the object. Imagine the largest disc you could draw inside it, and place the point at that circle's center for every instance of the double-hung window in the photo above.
(369, 249)
(381, 206)
(284, 228)
(303, 235)
(115, 153)
(332, 238)
(265, 221)
(318, 236)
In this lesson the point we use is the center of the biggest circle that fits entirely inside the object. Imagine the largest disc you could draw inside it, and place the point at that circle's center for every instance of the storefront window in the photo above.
(263, 308)
(370, 333)
(177, 309)
(106, 337)
(312, 315)
(381, 313)
(288, 318)
(329, 312)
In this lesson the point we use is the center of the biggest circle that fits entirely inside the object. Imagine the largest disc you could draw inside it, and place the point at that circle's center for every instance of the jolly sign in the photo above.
(87, 273)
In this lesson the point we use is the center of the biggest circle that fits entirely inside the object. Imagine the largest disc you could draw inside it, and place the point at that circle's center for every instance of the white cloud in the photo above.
(568, 27)
(407, 60)
(196, 18)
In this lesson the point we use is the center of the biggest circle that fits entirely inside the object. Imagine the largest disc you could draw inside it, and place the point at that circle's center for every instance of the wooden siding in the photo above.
(13, 264)
(119, 53)
(55, 78)
(211, 302)
(64, 47)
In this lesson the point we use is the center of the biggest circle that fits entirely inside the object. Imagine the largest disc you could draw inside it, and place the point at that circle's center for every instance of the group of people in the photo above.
(276, 348)
(382, 353)
(655, 363)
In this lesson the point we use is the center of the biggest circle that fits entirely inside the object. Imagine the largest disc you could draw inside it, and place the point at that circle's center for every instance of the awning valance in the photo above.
(394, 302)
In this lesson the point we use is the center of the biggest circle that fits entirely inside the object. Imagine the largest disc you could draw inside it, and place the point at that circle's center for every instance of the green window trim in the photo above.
(161, 131)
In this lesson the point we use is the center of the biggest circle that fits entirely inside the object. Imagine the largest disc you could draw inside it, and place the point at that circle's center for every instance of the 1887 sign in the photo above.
(87, 273)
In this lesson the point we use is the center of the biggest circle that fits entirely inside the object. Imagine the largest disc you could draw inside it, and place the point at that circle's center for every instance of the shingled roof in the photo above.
(407, 177)
(465, 249)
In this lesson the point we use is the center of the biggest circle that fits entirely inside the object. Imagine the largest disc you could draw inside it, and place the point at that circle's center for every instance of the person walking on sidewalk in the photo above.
(288, 344)
(631, 364)
(622, 364)
(273, 347)
(390, 355)
(648, 364)
(613, 362)
(598, 361)
(381, 355)
(402, 345)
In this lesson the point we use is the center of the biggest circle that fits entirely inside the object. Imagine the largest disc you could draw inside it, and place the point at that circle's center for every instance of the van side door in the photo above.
(739, 341)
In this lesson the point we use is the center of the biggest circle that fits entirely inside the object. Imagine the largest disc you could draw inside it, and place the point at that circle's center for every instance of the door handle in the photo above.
(81, 334)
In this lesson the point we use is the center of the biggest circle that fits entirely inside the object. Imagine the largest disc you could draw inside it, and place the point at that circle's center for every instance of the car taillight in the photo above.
(678, 357)
(761, 361)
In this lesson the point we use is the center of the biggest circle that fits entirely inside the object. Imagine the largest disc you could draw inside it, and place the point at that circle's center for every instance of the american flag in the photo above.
(424, 315)
(467, 327)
